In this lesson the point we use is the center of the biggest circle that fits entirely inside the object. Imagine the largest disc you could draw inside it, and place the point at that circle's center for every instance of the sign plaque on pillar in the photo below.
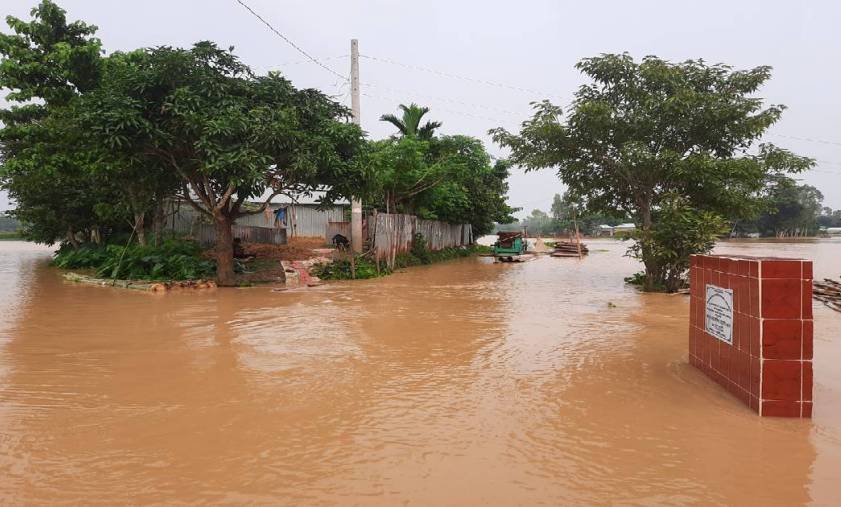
(719, 313)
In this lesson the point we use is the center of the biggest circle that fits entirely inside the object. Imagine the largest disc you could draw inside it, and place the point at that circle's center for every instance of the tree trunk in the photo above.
(224, 250)
(140, 228)
(653, 272)
(71, 238)
(158, 221)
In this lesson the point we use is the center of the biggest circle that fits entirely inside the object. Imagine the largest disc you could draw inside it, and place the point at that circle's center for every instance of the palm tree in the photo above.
(409, 125)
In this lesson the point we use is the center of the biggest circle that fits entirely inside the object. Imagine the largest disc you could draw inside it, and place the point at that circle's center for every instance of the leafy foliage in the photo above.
(447, 178)
(172, 260)
(679, 231)
(46, 64)
(365, 268)
(409, 123)
(792, 210)
(642, 132)
(223, 133)
(419, 249)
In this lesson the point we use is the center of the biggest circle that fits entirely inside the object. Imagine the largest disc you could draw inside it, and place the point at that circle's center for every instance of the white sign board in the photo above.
(719, 313)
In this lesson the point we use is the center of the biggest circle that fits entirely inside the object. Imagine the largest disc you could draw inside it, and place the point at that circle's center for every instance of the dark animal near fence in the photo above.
(340, 242)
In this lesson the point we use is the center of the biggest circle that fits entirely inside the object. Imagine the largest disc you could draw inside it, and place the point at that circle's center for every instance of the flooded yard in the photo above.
(463, 383)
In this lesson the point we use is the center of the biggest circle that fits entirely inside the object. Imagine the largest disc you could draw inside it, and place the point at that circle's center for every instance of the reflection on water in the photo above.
(462, 383)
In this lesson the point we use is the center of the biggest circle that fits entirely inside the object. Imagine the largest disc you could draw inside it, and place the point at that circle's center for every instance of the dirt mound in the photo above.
(298, 249)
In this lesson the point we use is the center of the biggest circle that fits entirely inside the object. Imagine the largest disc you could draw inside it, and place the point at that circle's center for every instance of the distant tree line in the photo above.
(8, 224)
(791, 210)
(564, 215)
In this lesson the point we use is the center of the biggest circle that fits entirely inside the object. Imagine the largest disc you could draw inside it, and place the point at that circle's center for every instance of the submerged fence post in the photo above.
(751, 330)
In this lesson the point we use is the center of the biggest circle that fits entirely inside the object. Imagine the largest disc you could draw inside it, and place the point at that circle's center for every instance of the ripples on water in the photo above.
(460, 383)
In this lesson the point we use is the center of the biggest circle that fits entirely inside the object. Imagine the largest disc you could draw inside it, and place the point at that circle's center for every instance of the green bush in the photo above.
(341, 269)
(365, 267)
(88, 256)
(172, 260)
(419, 249)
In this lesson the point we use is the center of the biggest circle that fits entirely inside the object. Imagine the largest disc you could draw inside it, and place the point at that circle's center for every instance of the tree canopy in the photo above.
(652, 139)
(448, 178)
(203, 119)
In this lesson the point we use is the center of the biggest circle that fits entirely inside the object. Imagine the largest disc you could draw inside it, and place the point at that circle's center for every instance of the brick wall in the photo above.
(768, 365)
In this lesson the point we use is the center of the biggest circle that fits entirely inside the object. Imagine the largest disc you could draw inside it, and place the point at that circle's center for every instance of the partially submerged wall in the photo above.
(751, 330)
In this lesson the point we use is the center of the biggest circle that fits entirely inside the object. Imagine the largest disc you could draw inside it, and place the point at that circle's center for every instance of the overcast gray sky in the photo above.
(529, 45)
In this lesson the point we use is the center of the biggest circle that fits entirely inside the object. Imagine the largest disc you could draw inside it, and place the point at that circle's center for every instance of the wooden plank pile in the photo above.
(568, 249)
(828, 292)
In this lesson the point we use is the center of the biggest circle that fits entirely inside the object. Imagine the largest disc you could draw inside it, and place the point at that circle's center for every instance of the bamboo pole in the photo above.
(577, 235)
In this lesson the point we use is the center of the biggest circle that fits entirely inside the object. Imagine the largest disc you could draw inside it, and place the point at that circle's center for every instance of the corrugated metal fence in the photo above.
(300, 220)
(334, 228)
(310, 221)
(206, 233)
(393, 234)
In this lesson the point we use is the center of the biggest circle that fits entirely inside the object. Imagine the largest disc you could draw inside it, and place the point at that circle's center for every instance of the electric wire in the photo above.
(458, 76)
(288, 41)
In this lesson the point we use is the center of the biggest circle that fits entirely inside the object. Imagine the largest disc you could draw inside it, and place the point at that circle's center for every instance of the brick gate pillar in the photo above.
(750, 330)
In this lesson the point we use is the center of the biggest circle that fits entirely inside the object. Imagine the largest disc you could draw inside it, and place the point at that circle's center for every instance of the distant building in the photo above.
(612, 230)
(833, 231)
(301, 218)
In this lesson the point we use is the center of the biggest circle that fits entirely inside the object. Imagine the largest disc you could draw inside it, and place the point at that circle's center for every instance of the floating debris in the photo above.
(828, 292)
(569, 249)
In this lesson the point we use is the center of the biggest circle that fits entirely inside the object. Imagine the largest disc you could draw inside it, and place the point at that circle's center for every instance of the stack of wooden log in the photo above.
(568, 249)
(828, 292)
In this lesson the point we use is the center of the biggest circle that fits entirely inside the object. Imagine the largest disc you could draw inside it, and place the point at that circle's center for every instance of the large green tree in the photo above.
(663, 143)
(474, 190)
(47, 63)
(447, 178)
(226, 135)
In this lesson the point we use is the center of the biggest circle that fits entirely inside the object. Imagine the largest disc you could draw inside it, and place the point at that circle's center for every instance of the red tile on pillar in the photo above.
(807, 270)
(755, 375)
(781, 380)
(753, 269)
(782, 269)
(780, 298)
(807, 381)
(744, 371)
(806, 296)
(755, 337)
(806, 410)
(776, 408)
(782, 338)
(808, 338)
(753, 294)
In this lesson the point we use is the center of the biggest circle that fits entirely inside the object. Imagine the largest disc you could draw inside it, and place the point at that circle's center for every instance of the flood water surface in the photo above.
(463, 383)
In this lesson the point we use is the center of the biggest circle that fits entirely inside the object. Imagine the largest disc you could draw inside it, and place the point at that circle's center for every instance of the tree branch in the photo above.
(191, 202)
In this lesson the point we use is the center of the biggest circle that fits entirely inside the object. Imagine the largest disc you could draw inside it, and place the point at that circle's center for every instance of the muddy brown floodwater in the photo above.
(464, 383)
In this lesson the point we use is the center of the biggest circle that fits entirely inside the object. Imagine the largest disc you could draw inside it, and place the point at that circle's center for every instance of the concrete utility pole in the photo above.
(355, 204)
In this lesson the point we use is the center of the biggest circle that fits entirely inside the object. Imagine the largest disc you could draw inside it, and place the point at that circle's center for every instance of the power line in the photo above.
(286, 39)
(457, 76)
(323, 59)
(809, 139)
(446, 99)
(453, 111)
